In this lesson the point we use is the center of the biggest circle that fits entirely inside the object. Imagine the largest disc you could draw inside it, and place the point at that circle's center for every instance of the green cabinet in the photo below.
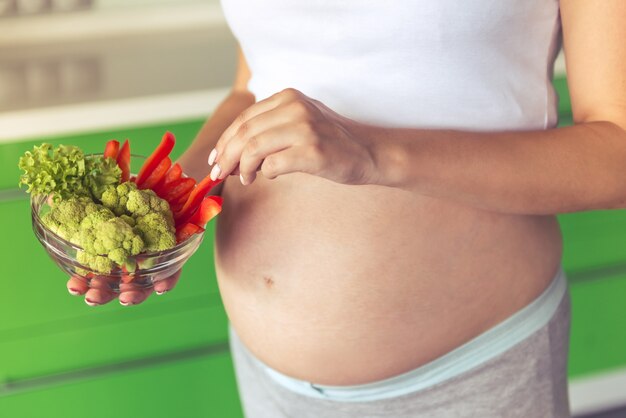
(59, 357)
(598, 337)
(202, 387)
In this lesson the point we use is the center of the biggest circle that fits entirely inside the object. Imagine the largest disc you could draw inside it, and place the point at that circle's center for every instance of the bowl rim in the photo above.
(43, 198)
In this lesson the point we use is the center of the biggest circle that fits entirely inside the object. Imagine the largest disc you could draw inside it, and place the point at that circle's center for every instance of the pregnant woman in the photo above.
(389, 246)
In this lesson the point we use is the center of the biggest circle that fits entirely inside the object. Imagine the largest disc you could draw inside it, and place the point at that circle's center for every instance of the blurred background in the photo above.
(85, 71)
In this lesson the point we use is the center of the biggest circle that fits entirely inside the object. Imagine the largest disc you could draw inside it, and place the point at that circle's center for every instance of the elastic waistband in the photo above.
(475, 352)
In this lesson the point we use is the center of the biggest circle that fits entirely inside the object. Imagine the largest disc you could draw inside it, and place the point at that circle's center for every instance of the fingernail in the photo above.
(161, 292)
(91, 302)
(242, 180)
(212, 156)
(126, 303)
(73, 291)
(215, 172)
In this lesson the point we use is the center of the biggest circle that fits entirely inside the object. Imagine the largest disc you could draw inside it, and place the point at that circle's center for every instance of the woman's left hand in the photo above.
(290, 132)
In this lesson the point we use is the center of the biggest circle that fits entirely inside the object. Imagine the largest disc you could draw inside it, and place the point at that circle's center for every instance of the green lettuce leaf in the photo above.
(66, 172)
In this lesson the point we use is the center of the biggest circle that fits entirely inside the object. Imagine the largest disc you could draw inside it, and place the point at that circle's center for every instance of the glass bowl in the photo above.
(151, 267)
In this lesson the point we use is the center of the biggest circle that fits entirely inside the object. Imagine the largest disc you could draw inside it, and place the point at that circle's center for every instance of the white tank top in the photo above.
(458, 64)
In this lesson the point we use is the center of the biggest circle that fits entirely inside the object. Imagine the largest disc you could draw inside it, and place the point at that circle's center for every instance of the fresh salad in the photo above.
(114, 218)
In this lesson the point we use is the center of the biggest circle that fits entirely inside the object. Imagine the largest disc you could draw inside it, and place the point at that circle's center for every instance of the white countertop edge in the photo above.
(88, 117)
(123, 21)
(598, 392)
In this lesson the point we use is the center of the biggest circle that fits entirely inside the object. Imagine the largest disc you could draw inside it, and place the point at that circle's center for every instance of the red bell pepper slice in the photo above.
(157, 174)
(209, 208)
(187, 230)
(111, 149)
(123, 160)
(194, 200)
(183, 199)
(161, 151)
(178, 188)
(174, 173)
(176, 206)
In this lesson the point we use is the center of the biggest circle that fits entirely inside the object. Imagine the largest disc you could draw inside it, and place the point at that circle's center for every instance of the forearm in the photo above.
(577, 168)
(194, 159)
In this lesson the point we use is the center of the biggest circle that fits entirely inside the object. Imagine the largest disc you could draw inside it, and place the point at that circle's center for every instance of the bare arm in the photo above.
(194, 159)
(545, 172)
(582, 167)
(569, 169)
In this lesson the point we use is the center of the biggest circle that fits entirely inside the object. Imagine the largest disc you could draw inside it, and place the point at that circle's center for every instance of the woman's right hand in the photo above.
(99, 292)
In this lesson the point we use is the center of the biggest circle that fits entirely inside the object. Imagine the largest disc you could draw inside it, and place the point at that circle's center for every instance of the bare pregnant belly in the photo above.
(343, 285)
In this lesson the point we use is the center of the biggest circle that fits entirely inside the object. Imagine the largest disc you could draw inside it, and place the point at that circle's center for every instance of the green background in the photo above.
(169, 356)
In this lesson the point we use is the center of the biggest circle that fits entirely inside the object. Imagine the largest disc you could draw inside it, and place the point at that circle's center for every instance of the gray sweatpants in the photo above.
(529, 380)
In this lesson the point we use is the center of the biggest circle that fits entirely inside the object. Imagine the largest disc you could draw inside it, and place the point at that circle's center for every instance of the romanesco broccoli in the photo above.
(65, 218)
(143, 202)
(103, 233)
(98, 263)
(115, 198)
(127, 222)
(150, 215)
(157, 230)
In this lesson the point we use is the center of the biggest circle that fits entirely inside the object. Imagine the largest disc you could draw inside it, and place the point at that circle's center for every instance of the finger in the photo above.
(299, 158)
(134, 297)
(266, 105)
(77, 286)
(258, 108)
(165, 285)
(96, 297)
(100, 291)
(265, 144)
(229, 151)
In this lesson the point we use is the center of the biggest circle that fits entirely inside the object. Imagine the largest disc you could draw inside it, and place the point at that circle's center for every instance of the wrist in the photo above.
(387, 154)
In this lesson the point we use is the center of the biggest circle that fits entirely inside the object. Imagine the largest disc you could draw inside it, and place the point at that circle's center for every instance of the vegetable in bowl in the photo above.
(127, 222)
(117, 225)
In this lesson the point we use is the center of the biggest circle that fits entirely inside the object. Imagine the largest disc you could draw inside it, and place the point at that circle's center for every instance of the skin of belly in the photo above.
(345, 285)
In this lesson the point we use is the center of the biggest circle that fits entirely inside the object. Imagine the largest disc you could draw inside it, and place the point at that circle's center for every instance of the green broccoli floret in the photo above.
(115, 198)
(149, 215)
(157, 230)
(128, 222)
(65, 217)
(95, 262)
(155, 222)
(103, 233)
(143, 202)
(105, 238)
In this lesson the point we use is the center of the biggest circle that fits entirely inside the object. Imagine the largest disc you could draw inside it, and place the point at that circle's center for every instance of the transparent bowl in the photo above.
(151, 267)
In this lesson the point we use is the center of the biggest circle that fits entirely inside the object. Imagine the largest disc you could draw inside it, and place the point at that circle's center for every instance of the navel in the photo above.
(269, 282)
